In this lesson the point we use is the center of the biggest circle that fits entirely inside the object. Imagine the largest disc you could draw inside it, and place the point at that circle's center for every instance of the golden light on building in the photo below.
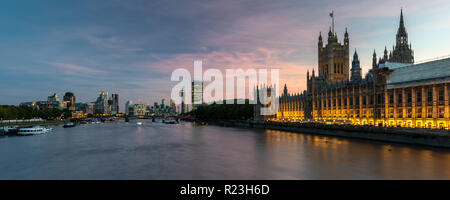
(395, 92)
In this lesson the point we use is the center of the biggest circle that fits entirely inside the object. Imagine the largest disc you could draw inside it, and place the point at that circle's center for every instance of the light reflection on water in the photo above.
(119, 150)
(358, 159)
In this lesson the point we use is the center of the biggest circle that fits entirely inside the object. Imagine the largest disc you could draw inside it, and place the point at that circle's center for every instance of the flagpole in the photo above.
(332, 19)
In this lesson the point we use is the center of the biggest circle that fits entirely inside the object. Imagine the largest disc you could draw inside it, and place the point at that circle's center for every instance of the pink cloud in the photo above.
(292, 73)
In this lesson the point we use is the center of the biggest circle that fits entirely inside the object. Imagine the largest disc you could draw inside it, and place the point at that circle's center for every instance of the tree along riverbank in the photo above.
(22, 123)
(10, 112)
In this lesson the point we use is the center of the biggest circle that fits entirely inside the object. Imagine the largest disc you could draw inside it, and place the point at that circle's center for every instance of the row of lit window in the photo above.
(429, 96)
(381, 113)
(380, 99)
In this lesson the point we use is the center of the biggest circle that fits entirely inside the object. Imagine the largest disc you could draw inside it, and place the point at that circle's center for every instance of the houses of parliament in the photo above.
(396, 91)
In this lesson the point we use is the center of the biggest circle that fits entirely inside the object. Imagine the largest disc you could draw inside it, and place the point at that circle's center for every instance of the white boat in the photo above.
(68, 124)
(35, 130)
(139, 123)
(170, 121)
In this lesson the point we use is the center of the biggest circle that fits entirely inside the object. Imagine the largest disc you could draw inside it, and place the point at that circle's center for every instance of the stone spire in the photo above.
(355, 56)
(402, 52)
(402, 35)
(285, 91)
(330, 36)
(385, 57)
(374, 60)
(402, 24)
(346, 40)
(356, 69)
(320, 40)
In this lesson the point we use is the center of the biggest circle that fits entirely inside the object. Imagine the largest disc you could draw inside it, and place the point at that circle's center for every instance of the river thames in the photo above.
(119, 150)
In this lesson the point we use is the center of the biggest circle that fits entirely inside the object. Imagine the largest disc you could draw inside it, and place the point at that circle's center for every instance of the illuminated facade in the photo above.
(139, 109)
(395, 92)
(53, 101)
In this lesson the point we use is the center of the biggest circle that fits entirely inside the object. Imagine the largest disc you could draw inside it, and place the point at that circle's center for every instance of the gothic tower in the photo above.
(334, 58)
(285, 91)
(356, 69)
(402, 52)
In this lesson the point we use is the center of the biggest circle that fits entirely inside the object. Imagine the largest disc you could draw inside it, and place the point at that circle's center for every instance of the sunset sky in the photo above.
(131, 47)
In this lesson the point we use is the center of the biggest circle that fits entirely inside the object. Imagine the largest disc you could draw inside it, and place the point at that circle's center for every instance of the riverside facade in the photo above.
(395, 92)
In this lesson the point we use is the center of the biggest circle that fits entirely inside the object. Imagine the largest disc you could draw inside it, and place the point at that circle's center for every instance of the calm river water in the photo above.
(119, 150)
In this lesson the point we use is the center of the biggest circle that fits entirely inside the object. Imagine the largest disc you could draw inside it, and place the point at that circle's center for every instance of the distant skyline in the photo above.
(131, 47)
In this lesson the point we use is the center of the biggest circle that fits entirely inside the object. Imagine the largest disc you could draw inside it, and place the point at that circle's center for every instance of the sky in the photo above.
(131, 47)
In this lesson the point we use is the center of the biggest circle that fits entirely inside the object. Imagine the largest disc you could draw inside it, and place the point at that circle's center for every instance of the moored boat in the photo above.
(35, 130)
(68, 124)
(170, 121)
(139, 123)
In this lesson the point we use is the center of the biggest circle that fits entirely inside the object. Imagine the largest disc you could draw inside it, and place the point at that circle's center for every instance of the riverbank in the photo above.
(33, 123)
(428, 137)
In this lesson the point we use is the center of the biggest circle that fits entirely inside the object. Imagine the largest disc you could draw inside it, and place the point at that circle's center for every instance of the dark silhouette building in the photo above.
(69, 97)
(114, 102)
